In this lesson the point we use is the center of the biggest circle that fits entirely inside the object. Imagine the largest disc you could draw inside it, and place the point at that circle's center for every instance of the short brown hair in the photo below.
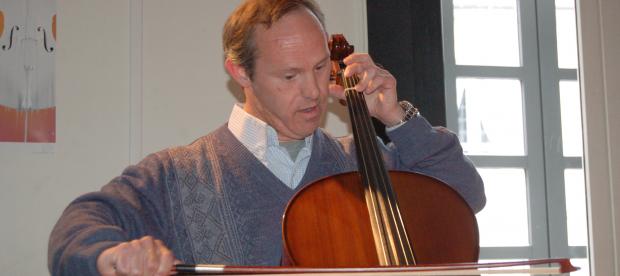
(238, 34)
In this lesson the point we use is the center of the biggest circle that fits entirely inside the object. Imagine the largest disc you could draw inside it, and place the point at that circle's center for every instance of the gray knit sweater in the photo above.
(214, 202)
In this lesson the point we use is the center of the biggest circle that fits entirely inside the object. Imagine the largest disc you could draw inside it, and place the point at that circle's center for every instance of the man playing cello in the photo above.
(221, 198)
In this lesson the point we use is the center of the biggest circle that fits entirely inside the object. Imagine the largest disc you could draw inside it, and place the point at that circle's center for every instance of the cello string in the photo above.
(392, 216)
(364, 170)
(378, 178)
(374, 178)
(381, 182)
(357, 108)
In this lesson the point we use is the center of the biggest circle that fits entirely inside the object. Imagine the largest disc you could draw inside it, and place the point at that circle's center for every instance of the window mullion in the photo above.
(490, 71)
(555, 162)
(533, 124)
(447, 19)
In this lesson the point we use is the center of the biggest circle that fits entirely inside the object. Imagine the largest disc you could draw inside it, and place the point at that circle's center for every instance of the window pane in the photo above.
(503, 221)
(576, 218)
(566, 31)
(490, 116)
(486, 32)
(572, 144)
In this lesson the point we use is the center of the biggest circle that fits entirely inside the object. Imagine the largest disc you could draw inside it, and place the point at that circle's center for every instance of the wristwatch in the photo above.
(410, 112)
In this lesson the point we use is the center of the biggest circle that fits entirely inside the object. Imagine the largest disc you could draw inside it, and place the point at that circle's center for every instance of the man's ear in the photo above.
(238, 73)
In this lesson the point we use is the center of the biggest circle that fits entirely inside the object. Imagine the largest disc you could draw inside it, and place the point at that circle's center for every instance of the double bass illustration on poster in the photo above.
(27, 49)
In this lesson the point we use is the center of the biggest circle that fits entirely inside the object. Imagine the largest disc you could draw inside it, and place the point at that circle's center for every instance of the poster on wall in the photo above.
(27, 50)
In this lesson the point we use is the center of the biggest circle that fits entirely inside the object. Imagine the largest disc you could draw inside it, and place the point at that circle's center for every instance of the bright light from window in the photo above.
(486, 32)
(566, 33)
(572, 141)
(490, 116)
(576, 218)
(504, 221)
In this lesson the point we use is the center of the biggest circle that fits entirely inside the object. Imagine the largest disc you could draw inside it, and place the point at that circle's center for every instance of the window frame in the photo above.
(543, 161)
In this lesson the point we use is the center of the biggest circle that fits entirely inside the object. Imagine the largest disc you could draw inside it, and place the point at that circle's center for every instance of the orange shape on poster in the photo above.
(41, 125)
(54, 26)
(1, 22)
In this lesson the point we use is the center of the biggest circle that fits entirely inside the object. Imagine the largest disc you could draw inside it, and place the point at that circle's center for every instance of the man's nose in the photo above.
(312, 88)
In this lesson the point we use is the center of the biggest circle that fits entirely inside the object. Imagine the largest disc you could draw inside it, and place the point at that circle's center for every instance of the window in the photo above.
(512, 95)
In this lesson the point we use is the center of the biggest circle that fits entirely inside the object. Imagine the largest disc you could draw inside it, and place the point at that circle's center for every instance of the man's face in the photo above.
(289, 88)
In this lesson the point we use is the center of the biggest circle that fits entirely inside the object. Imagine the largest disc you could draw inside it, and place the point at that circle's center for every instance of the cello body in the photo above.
(327, 223)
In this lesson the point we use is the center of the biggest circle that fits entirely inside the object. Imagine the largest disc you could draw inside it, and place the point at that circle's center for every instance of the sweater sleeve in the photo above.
(435, 151)
(129, 207)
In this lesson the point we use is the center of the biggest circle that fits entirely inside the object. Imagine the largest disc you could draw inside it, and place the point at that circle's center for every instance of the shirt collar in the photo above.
(253, 133)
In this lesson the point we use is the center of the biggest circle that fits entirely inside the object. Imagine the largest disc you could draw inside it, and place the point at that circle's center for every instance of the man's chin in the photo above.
(305, 132)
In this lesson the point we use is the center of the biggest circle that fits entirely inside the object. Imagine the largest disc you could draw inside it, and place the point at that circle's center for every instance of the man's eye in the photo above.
(320, 67)
(289, 77)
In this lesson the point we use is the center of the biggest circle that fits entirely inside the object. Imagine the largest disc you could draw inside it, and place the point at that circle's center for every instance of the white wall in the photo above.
(132, 77)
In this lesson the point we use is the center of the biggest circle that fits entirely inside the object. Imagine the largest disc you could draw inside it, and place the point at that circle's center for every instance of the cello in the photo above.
(373, 217)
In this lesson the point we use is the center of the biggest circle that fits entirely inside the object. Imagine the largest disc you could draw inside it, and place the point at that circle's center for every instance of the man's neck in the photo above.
(293, 147)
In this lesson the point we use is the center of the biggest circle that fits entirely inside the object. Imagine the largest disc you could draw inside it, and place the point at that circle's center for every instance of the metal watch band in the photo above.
(410, 111)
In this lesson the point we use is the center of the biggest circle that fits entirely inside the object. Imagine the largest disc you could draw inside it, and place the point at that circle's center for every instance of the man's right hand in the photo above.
(146, 256)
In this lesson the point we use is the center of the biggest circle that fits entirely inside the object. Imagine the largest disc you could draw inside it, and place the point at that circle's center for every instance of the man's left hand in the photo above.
(378, 85)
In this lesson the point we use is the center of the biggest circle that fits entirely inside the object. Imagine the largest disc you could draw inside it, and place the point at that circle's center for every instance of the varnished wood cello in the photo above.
(374, 217)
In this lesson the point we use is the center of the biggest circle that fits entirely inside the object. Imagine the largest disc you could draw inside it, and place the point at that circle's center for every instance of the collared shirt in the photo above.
(262, 141)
